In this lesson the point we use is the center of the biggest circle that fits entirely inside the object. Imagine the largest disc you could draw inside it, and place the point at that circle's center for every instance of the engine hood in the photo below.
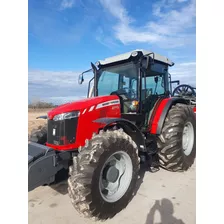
(80, 105)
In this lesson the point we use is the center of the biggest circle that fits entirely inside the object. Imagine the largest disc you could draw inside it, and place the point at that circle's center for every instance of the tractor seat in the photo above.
(146, 93)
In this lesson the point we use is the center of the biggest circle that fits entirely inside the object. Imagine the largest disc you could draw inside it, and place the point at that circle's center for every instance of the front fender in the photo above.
(128, 127)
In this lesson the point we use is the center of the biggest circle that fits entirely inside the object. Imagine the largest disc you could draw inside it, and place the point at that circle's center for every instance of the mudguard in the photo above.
(161, 110)
(128, 127)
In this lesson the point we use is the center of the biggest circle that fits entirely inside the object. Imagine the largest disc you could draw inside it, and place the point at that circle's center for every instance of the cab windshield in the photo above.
(120, 79)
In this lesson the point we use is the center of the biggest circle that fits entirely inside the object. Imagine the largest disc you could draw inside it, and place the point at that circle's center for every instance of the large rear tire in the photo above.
(177, 142)
(104, 174)
(39, 135)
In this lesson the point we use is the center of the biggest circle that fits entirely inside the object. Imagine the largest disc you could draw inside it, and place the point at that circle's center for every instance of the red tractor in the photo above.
(130, 116)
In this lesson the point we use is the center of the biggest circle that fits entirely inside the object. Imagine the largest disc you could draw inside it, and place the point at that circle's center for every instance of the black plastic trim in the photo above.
(65, 131)
(43, 164)
(36, 150)
(133, 117)
(43, 117)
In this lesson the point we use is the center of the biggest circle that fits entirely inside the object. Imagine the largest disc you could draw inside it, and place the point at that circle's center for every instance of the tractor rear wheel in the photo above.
(39, 135)
(104, 175)
(177, 142)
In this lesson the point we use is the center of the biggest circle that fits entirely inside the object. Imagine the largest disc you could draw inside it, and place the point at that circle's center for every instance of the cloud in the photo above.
(57, 87)
(188, 64)
(105, 40)
(170, 27)
(66, 4)
(62, 100)
(185, 72)
(61, 87)
(117, 10)
(52, 24)
(173, 21)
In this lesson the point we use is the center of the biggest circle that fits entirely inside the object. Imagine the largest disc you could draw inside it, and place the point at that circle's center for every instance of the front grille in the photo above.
(62, 132)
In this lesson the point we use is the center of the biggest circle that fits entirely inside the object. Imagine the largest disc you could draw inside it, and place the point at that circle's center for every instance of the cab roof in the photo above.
(127, 55)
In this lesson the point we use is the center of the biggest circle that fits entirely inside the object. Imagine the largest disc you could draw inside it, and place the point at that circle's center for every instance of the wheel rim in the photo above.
(115, 176)
(188, 138)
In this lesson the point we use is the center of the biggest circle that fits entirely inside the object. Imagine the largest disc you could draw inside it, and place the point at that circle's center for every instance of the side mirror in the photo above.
(81, 80)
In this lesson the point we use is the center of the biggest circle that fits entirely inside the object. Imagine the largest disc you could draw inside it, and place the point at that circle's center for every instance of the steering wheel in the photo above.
(184, 91)
(130, 92)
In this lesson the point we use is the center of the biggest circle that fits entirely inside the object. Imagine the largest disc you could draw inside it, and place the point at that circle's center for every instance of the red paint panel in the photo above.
(88, 113)
(157, 116)
(80, 105)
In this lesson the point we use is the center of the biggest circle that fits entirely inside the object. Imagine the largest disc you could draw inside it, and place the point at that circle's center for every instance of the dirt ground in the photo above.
(162, 197)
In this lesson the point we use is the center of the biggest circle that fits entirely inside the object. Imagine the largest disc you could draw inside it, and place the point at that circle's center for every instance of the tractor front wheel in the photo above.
(177, 142)
(104, 174)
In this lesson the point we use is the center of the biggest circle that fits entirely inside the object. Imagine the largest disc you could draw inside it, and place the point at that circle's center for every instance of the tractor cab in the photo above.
(139, 78)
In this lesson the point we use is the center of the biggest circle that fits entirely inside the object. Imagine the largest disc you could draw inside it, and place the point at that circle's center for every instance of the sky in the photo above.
(65, 36)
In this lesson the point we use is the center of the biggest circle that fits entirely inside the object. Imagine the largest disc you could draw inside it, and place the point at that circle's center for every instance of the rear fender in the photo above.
(128, 127)
(157, 121)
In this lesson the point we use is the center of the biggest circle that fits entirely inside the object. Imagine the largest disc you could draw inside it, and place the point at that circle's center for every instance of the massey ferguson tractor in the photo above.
(131, 116)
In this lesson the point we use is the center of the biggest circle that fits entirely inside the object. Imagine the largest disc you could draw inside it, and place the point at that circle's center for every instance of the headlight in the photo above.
(64, 116)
